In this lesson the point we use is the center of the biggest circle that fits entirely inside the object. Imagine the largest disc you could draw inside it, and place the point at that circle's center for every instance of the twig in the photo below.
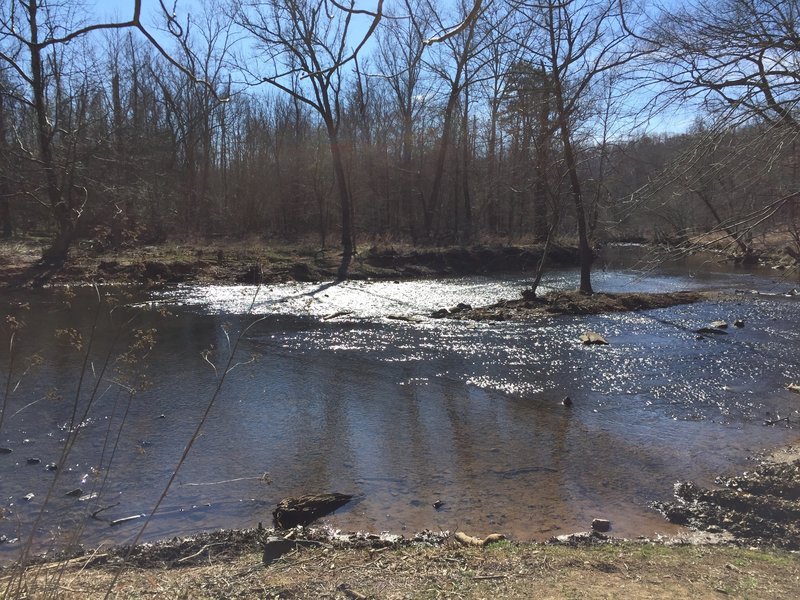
(259, 477)
(99, 510)
(350, 593)
(203, 549)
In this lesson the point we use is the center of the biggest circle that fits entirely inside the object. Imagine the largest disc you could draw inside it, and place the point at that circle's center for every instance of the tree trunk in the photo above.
(491, 169)
(444, 145)
(5, 203)
(466, 237)
(540, 191)
(59, 249)
(404, 205)
(584, 249)
(344, 199)
(5, 213)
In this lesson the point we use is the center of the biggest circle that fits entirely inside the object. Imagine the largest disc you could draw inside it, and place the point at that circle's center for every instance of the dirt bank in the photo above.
(228, 261)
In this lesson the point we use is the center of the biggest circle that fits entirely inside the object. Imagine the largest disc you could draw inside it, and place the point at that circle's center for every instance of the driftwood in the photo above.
(469, 540)
(126, 519)
(303, 510)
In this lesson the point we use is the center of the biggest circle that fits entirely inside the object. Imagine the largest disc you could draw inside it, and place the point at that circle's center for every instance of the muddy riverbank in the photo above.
(230, 262)
(760, 507)
(252, 261)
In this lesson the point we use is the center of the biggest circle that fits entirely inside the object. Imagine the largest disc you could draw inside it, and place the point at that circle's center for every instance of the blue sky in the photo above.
(120, 10)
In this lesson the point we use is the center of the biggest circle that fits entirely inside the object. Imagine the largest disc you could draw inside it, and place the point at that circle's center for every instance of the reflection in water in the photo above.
(401, 413)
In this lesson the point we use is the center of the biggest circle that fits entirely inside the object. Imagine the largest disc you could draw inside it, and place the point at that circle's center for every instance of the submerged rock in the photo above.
(6, 450)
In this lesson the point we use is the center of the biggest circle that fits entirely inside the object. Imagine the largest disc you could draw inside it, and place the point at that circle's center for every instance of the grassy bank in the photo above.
(503, 570)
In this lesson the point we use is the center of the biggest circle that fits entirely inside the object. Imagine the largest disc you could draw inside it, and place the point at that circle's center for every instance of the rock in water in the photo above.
(718, 325)
(601, 525)
(591, 337)
(794, 387)
(738, 323)
(303, 510)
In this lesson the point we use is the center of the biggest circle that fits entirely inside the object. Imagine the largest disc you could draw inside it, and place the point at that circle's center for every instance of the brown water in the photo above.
(400, 413)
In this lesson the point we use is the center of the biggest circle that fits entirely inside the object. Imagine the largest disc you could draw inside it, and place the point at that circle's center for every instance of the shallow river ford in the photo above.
(328, 390)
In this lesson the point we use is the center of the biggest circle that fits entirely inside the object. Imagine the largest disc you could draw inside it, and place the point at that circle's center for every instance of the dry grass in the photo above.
(505, 570)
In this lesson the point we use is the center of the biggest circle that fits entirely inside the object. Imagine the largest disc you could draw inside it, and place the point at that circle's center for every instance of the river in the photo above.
(354, 388)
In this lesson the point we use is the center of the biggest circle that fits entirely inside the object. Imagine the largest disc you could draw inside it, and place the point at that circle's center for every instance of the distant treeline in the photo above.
(478, 136)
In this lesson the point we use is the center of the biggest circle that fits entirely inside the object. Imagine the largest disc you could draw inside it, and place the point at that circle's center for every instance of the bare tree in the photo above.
(458, 47)
(35, 36)
(576, 42)
(738, 61)
(305, 44)
(401, 45)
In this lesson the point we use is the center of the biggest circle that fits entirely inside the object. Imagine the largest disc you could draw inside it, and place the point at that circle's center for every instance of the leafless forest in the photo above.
(399, 121)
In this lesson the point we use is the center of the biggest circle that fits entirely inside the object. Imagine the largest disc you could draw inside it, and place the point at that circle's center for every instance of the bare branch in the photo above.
(473, 14)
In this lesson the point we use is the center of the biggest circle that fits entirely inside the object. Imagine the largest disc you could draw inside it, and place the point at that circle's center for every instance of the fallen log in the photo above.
(303, 510)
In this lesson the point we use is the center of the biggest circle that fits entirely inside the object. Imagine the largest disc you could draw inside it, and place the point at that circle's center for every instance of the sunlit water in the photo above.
(354, 388)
